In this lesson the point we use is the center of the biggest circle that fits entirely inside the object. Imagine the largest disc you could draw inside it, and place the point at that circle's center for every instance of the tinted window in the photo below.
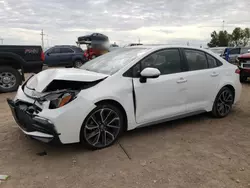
(167, 61)
(234, 51)
(66, 50)
(212, 62)
(244, 50)
(77, 49)
(196, 59)
(55, 51)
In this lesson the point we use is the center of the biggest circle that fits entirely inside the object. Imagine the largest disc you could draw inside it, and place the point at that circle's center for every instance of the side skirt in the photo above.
(171, 118)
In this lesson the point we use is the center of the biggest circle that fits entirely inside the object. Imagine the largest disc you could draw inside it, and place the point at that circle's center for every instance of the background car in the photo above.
(234, 53)
(65, 55)
(123, 90)
(16, 60)
(244, 66)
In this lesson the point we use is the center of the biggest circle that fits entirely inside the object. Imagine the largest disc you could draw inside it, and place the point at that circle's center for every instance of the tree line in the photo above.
(239, 37)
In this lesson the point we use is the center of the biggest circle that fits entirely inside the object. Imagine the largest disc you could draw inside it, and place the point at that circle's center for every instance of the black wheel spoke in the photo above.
(104, 138)
(224, 103)
(110, 135)
(92, 134)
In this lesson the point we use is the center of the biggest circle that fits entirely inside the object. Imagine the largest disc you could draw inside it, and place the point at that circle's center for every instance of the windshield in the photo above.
(112, 62)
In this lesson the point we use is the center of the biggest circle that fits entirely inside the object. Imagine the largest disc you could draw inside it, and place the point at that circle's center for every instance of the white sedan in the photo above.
(123, 90)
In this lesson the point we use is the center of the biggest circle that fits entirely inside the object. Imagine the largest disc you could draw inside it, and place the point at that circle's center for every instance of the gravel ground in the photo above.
(193, 152)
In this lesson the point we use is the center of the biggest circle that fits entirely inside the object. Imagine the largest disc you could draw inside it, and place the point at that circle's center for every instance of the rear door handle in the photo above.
(181, 80)
(214, 74)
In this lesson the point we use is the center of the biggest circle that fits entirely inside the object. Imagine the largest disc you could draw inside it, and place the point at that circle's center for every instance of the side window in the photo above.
(244, 50)
(167, 61)
(55, 51)
(196, 59)
(66, 50)
(234, 51)
(212, 62)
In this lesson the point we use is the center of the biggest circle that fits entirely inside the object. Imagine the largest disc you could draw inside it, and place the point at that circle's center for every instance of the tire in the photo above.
(243, 79)
(97, 132)
(10, 79)
(77, 63)
(223, 103)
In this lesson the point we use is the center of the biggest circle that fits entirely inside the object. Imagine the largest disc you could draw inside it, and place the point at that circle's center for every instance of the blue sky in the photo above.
(153, 21)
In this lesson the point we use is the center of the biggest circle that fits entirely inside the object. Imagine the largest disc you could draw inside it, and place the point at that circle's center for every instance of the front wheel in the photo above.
(102, 126)
(223, 103)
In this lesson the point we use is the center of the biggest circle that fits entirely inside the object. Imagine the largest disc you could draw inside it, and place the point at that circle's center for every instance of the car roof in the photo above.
(164, 46)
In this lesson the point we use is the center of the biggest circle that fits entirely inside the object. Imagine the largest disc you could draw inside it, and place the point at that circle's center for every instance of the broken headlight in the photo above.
(59, 99)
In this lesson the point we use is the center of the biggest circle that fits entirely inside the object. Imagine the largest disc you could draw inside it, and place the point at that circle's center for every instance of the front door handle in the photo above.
(214, 74)
(181, 80)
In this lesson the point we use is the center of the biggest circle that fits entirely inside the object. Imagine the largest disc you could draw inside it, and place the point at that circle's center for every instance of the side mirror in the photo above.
(48, 54)
(149, 73)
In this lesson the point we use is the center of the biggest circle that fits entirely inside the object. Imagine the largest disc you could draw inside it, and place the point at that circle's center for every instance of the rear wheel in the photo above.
(223, 103)
(102, 126)
(10, 79)
(78, 63)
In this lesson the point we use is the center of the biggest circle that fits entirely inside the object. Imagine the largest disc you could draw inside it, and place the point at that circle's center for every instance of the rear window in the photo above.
(77, 50)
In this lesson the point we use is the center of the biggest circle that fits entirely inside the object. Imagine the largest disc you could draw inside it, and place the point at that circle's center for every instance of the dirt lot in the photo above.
(194, 152)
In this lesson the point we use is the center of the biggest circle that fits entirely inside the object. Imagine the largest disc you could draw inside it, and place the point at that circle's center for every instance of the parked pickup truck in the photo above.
(15, 61)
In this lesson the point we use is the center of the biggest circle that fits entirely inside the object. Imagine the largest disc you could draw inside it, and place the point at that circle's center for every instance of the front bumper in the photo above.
(35, 126)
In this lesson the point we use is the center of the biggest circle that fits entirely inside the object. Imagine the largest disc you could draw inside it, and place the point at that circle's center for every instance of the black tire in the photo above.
(6, 73)
(95, 133)
(243, 78)
(223, 103)
(77, 63)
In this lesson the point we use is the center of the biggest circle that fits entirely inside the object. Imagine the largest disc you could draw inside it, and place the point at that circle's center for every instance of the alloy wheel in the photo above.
(224, 103)
(7, 80)
(102, 127)
(78, 64)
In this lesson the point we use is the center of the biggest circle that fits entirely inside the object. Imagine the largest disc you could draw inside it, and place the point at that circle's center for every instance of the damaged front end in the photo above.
(26, 110)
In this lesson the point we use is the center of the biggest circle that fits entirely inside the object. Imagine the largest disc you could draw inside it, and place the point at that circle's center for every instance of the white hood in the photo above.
(42, 79)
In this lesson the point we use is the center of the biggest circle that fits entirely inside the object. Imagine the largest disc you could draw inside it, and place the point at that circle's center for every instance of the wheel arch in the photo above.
(231, 87)
(118, 105)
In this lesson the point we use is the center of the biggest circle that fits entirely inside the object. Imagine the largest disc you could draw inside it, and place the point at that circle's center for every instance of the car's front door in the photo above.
(52, 57)
(165, 96)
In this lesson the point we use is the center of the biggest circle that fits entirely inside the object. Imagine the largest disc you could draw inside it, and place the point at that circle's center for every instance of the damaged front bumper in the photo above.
(33, 125)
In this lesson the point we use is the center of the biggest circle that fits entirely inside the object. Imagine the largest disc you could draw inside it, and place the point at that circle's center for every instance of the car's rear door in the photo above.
(165, 96)
(66, 55)
(202, 81)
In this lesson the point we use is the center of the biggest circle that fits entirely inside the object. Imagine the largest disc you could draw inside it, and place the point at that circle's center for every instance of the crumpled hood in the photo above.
(39, 81)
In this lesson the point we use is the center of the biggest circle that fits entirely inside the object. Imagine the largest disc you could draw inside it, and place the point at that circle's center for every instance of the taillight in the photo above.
(42, 56)
(237, 71)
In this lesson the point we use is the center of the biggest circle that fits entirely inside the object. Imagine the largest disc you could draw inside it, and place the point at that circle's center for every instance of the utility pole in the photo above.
(1, 40)
(47, 40)
(139, 40)
(223, 25)
(42, 34)
(188, 43)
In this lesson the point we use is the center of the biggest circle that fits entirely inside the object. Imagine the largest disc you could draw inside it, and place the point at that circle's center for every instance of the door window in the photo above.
(212, 62)
(196, 59)
(234, 51)
(167, 61)
(55, 51)
(66, 50)
(244, 50)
